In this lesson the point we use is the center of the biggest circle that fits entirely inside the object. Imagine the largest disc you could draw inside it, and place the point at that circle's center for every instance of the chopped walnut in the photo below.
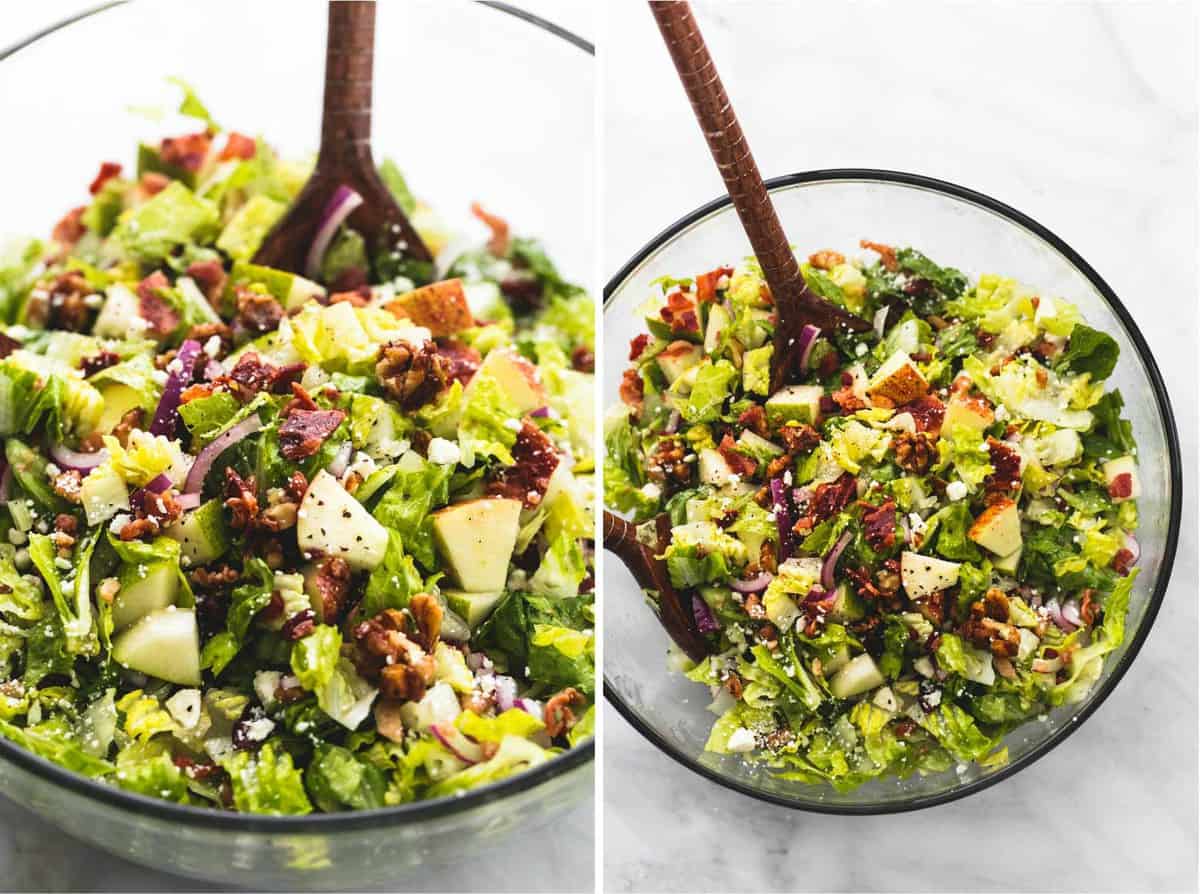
(558, 715)
(130, 421)
(257, 312)
(667, 463)
(385, 653)
(826, 259)
(67, 484)
(414, 375)
(427, 614)
(915, 451)
(332, 583)
(241, 497)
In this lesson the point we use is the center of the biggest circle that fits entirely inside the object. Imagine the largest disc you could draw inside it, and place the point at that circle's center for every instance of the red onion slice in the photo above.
(808, 338)
(1134, 547)
(188, 501)
(755, 584)
(1070, 613)
(673, 421)
(506, 692)
(529, 706)
(341, 204)
(183, 370)
(540, 413)
(705, 622)
(200, 468)
(1056, 615)
(463, 748)
(66, 458)
(783, 518)
(829, 566)
(817, 595)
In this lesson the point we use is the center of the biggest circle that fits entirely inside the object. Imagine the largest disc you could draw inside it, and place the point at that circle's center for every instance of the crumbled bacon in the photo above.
(637, 345)
(879, 526)
(706, 283)
(680, 313)
(1007, 465)
(257, 312)
(1121, 487)
(887, 254)
(583, 359)
(251, 375)
(161, 318)
(108, 170)
(739, 464)
(187, 152)
(497, 243)
(755, 419)
(210, 279)
(461, 361)
(359, 297)
(70, 228)
(534, 461)
(831, 498)
(1123, 561)
(238, 145)
(847, 400)
(151, 183)
(304, 431)
(241, 498)
(332, 583)
(101, 360)
(558, 715)
(632, 389)
(927, 413)
(8, 344)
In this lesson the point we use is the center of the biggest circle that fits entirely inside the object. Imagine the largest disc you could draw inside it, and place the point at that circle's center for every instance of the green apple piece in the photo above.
(103, 494)
(476, 538)
(926, 575)
(439, 705)
(718, 322)
(898, 380)
(795, 403)
(202, 534)
(860, 674)
(998, 528)
(144, 589)
(517, 377)
(293, 291)
(847, 605)
(331, 522)
(118, 400)
(714, 469)
(1008, 564)
(120, 316)
(195, 304)
(1114, 470)
(758, 445)
(473, 608)
(164, 644)
(677, 358)
(970, 413)
(886, 699)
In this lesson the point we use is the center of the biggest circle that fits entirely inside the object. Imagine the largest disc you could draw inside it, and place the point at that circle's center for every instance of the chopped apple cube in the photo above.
(517, 376)
(998, 528)
(926, 575)
(441, 307)
(1122, 477)
(476, 539)
(898, 381)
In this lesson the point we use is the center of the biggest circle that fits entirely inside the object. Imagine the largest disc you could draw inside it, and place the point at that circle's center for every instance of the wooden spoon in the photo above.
(795, 303)
(344, 158)
(675, 608)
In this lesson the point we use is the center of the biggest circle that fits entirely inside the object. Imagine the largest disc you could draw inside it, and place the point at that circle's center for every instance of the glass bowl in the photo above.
(474, 102)
(834, 209)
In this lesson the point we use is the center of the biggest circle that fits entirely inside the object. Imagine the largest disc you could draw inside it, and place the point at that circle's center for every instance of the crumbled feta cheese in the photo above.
(860, 349)
(175, 366)
(212, 347)
(740, 741)
(52, 470)
(652, 490)
(956, 490)
(1001, 413)
(445, 453)
(258, 730)
(159, 376)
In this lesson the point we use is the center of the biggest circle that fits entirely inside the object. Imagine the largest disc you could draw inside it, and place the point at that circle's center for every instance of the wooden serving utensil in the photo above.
(796, 305)
(344, 159)
(675, 608)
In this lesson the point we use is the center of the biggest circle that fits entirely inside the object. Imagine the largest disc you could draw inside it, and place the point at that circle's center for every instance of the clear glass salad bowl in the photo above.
(835, 209)
(474, 102)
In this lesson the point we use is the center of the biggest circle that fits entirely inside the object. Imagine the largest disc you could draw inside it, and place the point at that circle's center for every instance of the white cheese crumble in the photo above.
(443, 452)
(212, 347)
(740, 741)
(265, 684)
(956, 490)
(860, 349)
(652, 490)
(512, 424)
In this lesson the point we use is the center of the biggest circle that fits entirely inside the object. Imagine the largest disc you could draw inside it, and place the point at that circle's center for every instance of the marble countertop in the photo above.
(34, 856)
(1083, 116)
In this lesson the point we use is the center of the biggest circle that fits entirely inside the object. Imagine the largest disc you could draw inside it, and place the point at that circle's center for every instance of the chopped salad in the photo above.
(277, 543)
(923, 540)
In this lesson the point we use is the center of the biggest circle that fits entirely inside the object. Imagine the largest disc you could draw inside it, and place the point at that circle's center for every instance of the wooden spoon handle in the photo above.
(349, 70)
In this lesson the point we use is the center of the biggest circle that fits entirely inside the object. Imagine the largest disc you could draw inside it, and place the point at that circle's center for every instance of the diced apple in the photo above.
(885, 698)
(120, 316)
(860, 674)
(476, 539)
(439, 705)
(164, 644)
(926, 575)
(516, 376)
(998, 528)
(474, 608)
(202, 534)
(898, 380)
(1122, 477)
(970, 412)
(756, 444)
(441, 307)
(795, 403)
(118, 400)
(1008, 564)
(847, 605)
(714, 469)
(331, 522)
(144, 589)
(677, 358)
(718, 322)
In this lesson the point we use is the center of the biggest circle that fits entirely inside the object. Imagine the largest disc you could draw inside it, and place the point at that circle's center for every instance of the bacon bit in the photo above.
(637, 345)
(461, 361)
(256, 311)
(251, 375)
(927, 413)
(847, 400)
(96, 362)
(1042, 377)
(187, 152)
(831, 498)
(299, 625)
(1007, 465)
(557, 714)
(497, 243)
(196, 770)
(706, 283)
(755, 419)
(70, 228)
(301, 400)
(680, 313)
(161, 318)
(359, 297)
(879, 526)
(583, 359)
(199, 391)
(238, 145)
(534, 461)
(210, 278)
(108, 170)
(887, 254)
(733, 684)
(1122, 562)
(152, 183)
(241, 498)
(1089, 609)
(304, 431)
(631, 389)
(904, 728)
(1121, 487)
(738, 463)
(826, 259)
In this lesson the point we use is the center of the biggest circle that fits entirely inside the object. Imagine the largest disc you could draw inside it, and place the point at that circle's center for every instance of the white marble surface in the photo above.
(34, 856)
(1082, 115)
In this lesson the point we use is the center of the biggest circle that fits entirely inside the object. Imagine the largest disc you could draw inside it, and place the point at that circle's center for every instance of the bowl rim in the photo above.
(1162, 402)
(312, 823)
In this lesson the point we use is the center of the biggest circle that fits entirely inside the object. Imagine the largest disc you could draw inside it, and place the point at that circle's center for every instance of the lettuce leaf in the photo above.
(266, 781)
(172, 218)
(337, 779)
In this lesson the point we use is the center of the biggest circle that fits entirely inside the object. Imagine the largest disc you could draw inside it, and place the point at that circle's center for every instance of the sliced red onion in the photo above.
(756, 584)
(705, 622)
(1070, 613)
(188, 501)
(166, 414)
(783, 519)
(463, 748)
(817, 595)
(66, 458)
(673, 421)
(341, 460)
(829, 567)
(159, 484)
(529, 706)
(341, 204)
(540, 413)
(1134, 547)
(506, 692)
(204, 462)
(807, 340)
(1056, 615)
